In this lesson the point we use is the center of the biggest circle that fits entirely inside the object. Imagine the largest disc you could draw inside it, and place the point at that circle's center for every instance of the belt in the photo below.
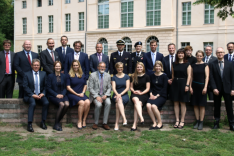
(198, 82)
(177, 78)
(8, 74)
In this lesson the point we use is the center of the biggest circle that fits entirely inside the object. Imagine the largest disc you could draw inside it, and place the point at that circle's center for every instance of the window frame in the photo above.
(186, 44)
(51, 24)
(128, 45)
(38, 3)
(187, 12)
(81, 21)
(154, 10)
(50, 2)
(39, 24)
(104, 45)
(103, 15)
(68, 23)
(24, 25)
(127, 13)
(67, 1)
(210, 9)
(80, 1)
(24, 3)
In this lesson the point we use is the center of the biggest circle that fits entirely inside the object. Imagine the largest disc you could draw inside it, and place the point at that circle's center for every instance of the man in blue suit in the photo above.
(22, 64)
(77, 55)
(98, 57)
(63, 51)
(34, 84)
(151, 57)
(229, 57)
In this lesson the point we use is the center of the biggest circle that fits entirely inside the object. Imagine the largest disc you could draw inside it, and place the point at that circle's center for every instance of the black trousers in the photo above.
(32, 104)
(7, 86)
(210, 93)
(21, 91)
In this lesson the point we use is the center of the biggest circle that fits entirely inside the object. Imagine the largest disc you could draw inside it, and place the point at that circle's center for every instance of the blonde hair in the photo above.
(71, 71)
(118, 64)
(134, 76)
(158, 63)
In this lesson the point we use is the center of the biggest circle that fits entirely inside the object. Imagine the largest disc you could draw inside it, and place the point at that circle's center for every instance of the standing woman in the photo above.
(76, 86)
(120, 85)
(56, 88)
(158, 94)
(179, 93)
(140, 86)
(198, 88)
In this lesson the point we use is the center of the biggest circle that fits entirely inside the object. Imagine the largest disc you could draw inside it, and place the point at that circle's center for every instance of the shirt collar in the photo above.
(35, 72)
(64, 48)
(27, 52)
(208, 57)
(6, 52)
(230, 54)
(76, 52)
(153, 52)
(138, 53)
(49, 50)
(100, 74)
(172, 55)
(99, 54)
(221, 60)
(120, 52)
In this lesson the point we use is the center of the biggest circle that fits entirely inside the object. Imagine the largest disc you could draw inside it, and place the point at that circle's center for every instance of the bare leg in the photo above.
(202, 113)
(86, 111)
(157, 114)
(138, 107)
(183, 112)
(80, 113)
(117, 117)
(196, 111)
(121, 110)
(151, 114)
(177, 111)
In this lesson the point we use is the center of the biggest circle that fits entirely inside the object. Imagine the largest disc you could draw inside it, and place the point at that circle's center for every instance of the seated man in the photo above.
(34, 84)
(100, 92)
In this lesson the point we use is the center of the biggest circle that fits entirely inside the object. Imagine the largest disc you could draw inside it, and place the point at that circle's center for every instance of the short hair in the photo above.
(209, 46)
(49, 39)
(36, 60)
(159, 63)
(62, 37)
(219, 48)
(188, 48)
(78, 42)
(56, 62)
(6, 41)
(230, 43)
(101, 63)
(170, 45)
(118, 64)
(97, 44)
(153, 41)
(200, 51)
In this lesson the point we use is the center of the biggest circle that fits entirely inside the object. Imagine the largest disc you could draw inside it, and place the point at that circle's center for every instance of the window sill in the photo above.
(186, 25)
(208, 23)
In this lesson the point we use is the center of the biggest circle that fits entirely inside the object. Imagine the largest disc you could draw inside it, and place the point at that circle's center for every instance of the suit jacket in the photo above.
(47, 62)
(94, 85)
(3, 65)
(226, 58)
(228, 76)
(60, 53)
(28, 84)
(166, 66)
(212, 58)
(52, 87)
(147, 60)
(125, 59)
(84, 62)
(136, 59)
(93, 62)
(22, 65)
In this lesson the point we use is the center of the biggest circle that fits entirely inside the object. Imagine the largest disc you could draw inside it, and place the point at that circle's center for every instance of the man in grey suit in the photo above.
(7, 72)
(100, 92)
(98, 57)
(209, 59)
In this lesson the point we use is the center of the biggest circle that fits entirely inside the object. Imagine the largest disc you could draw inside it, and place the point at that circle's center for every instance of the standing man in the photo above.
(121, 56)
(137, 56)
(191, 59)
(209, 59)
(7, 72)
(229, 57)
(100, 92)
(63, 51)
(48, 57)
(98, 57)
(34, 84)
(22, 64)
(77, 55)
(151, 57)
(222, 84)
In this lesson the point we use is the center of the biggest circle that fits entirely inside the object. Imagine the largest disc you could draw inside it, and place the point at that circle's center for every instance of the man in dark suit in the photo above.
(167, 63)
(209, 59)
(48, 57)
(229, 57)
(63, 51)
(121, 56)
(137, 56)
(34, 84)
(22, 64)
(7, 72)
(98, 57)
(151, 57)
(222, 84)
(189, 51)
(77, 55)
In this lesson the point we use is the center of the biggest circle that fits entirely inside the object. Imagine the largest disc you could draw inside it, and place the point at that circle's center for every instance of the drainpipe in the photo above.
(85, 25)
(177, 24)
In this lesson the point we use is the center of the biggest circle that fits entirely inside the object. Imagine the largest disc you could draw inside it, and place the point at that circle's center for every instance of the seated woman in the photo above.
(56, 93)
(140, 86)
(158, 95)
(76, 86)
(120, 85)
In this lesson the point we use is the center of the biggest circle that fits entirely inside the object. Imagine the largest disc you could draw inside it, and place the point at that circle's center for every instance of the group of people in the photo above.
(151, 78)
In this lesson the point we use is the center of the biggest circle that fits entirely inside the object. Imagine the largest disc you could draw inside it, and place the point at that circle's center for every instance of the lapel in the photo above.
(26, 59)
(2, 56)
(49, 56)
(225, 67)
(98, 79)
(96, 57)
(32, 79)
(105, 80)
(122, 57)
(12, 59)
(151, 58)
(217, 67)
(80, 57)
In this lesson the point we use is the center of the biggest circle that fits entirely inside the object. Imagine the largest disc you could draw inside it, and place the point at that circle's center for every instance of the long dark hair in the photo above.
(181, 50)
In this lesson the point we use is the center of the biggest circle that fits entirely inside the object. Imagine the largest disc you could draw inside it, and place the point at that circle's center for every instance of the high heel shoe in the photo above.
(132, 129)
(153, 128)
(116, 129)
(124, 124)
(176, 126)
(181, 127)
(78, 127)
(159, 127)
(143, 122)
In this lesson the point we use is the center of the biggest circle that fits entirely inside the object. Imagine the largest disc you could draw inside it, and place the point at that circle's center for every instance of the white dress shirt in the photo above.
(76, 55)
(170, 60)
(38, 78)
(207, 59)
(65, 49)
(30, 54)
(120, 52)
(9, 58)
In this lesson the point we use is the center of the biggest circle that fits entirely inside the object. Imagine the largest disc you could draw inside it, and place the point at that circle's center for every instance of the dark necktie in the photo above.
(221, 68)
(207, 59)
(101, 85)
(52, 55)
(230, 58)
(7, 63)
(120, 54)
(29, 59)
(36, 84)
(99, 57)
(63, 52)
(172, 59)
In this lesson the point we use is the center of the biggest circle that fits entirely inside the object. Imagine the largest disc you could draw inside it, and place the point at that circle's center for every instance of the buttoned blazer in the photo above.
(3, 64)
(60, 53)
(212, 58)
(147, 60)
(93, 62)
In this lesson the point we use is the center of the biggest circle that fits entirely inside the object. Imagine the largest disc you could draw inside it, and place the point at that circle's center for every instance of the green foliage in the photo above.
(2, 38)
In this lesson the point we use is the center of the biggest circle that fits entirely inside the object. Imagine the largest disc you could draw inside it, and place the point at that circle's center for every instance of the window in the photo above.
(127, 13)
(81, 21)
(184, 44)
(186, 13)
(82, 49)
(50, 2)
(24, 25)
(206, 44)
(209, 14)
(24, 4)
(81, 0)
(103, 14)
(67, 1)
(68, 22)
(128, 44)
(153, 14)
(148, 43)
(39, 49)
(104, 45)
(51, 23)
(39, 4)
(39, 25)
(68, 45)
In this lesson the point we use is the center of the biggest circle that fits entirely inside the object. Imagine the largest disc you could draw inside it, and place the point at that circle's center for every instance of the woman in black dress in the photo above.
(56, 88)
(140, 86)
(198, 88)
(158, 95)
(179, 92)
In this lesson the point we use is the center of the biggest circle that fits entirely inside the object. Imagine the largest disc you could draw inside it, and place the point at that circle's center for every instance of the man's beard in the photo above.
(101, 71)
(231, 51)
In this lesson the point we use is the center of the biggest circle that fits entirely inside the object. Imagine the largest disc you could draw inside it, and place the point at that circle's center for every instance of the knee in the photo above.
(98, 105)
(87, 103)
(32, 104)
(66, 104)
(148, 106)
(61, 104)
(134, 100)
(81, 103)
(154, 107)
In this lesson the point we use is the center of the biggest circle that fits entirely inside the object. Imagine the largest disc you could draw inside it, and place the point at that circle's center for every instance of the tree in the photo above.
(2, 38)
(225, 7)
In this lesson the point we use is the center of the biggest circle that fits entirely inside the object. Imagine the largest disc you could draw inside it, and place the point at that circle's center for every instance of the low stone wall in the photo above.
(16, 111)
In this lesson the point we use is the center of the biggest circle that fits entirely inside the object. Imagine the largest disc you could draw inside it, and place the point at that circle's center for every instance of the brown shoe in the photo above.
(95, 126)
(105, 126)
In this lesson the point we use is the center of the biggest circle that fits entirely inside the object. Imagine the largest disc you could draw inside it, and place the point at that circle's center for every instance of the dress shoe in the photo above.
(116, 129)
(83, 126)
(43, 125)
(78, 127)
(105, 126)
(200, 127)
(142, 122)
(216, 125)
(232, 127)
(153, 128)
(159, 127)
(196, 125)
(125, 123)
(60, 125)
(132, 129)
(57, 128)
(29, 128)
(95, 126)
